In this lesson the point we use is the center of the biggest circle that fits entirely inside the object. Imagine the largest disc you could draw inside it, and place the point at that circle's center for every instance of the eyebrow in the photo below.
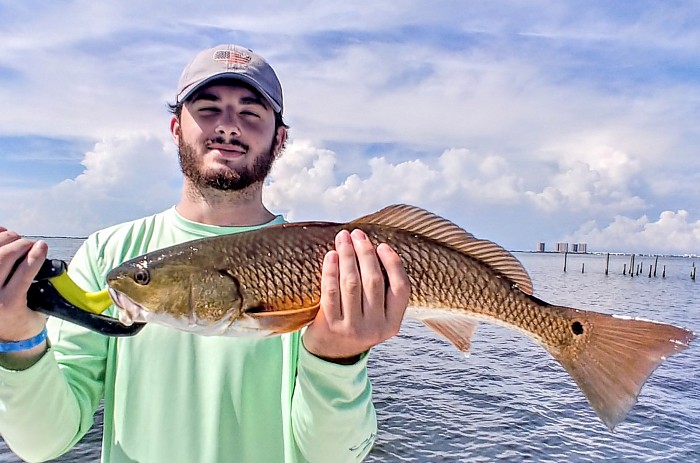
(247, 100)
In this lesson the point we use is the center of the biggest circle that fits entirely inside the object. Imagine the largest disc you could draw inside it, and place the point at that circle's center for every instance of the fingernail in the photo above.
(332, 257)
(358, 234)
(343, 237)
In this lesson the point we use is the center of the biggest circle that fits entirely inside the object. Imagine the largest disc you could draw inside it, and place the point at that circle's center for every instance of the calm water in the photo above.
(509, 400)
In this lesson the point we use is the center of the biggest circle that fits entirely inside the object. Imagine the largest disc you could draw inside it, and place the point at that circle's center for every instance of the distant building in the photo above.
(540, 247)
(578, 248)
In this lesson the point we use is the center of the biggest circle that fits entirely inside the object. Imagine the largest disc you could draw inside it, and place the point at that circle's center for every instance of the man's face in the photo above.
(226, 137)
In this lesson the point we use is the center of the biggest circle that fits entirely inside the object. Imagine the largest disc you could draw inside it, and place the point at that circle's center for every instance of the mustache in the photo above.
(221, 140)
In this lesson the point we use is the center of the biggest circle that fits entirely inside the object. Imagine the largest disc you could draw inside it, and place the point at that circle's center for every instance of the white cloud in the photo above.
(131, 176)
(590, 176)
(124, 178)
(306, 183)
(469, 188)
(673, 231)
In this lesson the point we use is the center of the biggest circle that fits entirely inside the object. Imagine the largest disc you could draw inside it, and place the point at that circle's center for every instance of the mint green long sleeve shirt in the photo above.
(179, 397)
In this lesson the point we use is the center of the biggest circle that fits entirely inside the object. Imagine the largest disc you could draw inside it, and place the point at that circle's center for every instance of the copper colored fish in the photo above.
(267, 282)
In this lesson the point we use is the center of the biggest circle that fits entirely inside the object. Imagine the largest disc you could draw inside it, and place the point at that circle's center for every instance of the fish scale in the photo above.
(268, 281)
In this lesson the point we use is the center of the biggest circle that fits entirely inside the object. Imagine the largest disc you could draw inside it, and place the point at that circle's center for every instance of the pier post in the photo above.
(607, 263)
(632, 266)
(656, 262)
(566, 254)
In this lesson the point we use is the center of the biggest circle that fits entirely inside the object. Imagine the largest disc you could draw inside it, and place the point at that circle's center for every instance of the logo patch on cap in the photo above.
(233, 59)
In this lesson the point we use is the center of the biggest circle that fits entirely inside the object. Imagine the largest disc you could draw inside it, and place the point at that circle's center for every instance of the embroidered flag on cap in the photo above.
(232, 58)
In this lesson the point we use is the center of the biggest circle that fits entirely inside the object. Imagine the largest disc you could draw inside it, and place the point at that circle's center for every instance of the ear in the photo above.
(175, 130)
(280, 140)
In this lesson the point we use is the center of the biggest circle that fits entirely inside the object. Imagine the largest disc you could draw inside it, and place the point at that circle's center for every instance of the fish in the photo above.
(267, 282)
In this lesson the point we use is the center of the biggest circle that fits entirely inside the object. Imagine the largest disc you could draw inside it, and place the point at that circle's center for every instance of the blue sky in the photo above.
(520, 121)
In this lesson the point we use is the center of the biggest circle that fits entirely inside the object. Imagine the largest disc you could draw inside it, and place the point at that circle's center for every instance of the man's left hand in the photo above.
(358, 309)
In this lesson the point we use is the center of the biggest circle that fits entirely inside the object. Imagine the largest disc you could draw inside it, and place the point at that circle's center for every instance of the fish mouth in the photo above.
(130, 312)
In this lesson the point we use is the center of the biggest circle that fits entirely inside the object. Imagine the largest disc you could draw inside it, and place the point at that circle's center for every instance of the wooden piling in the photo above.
(632, 266)
(624, 269)
(607, 263)
(582, 265)
(566, 254)
(650, 267)
(663, 274)
(656, 262)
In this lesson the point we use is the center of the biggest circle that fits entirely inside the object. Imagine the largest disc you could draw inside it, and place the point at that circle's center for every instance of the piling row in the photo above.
(632, 269)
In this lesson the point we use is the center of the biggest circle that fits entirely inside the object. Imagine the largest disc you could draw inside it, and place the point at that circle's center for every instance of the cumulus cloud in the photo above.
(123, 178)
(589, 176)
(306, 182)
(130, 176)
(673, 231)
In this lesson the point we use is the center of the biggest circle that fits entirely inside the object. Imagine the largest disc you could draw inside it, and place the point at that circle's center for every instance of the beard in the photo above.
(228, 180)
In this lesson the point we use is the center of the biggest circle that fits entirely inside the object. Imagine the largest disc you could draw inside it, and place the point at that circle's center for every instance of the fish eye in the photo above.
(142, 276)
(577, 328)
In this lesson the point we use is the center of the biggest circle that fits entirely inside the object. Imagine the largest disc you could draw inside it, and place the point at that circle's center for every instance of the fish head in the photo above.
(175, 291)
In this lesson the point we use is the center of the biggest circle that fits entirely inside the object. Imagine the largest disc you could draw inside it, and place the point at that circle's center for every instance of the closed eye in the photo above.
(209, 110)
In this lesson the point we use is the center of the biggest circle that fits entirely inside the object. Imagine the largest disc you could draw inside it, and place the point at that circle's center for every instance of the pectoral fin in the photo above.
(283, 321)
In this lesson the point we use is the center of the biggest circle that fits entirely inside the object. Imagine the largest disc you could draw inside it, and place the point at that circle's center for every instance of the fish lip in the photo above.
(129, 311)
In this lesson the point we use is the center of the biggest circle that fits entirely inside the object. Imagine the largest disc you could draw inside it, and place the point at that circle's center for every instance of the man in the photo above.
(171, 396)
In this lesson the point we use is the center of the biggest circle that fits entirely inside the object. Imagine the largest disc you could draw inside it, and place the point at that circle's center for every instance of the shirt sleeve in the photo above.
(333, 417)
(46, 409)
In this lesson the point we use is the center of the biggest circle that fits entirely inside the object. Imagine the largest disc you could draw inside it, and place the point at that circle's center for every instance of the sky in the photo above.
(522, 122)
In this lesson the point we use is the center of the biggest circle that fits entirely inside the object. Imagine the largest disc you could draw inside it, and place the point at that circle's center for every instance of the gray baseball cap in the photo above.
(231, 62)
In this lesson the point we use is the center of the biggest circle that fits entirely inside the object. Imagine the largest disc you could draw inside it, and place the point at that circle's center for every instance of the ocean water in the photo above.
(509, 401)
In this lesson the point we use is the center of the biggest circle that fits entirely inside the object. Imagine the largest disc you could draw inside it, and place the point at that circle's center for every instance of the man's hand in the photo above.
(17, 321)
(358, 309)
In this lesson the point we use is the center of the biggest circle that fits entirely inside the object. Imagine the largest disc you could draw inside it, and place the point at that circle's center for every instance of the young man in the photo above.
(178, 397)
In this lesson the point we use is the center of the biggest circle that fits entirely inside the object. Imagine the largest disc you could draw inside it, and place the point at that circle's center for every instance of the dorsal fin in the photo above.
(417, 220)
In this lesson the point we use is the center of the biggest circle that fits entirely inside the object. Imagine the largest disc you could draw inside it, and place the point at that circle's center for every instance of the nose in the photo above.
(228, 123)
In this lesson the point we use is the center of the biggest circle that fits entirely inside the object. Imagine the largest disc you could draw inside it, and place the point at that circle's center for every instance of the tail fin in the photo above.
(616, 357)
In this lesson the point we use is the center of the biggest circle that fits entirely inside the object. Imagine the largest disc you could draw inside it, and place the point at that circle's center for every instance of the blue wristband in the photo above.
(26, 344)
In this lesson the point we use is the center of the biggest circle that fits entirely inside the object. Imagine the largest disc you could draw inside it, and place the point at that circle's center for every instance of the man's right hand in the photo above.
(17, 321)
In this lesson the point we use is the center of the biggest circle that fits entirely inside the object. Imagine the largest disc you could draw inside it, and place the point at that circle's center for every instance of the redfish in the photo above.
(267, 282)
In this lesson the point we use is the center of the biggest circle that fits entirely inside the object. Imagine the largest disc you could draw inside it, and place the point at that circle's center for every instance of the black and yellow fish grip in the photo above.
(54, 293)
